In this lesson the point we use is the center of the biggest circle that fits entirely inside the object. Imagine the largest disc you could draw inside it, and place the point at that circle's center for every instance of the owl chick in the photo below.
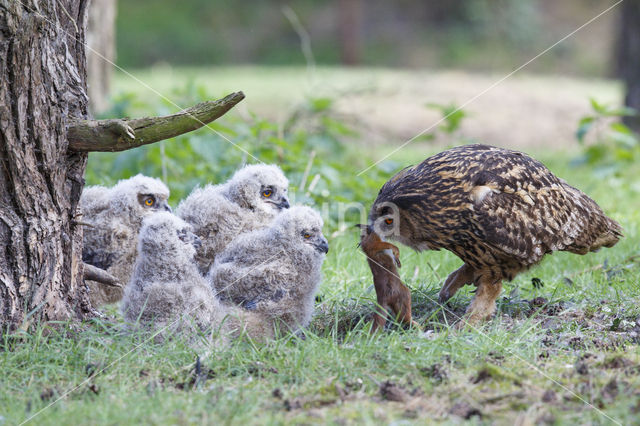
(274, 272)
(218, 213)
(115, 216)
(166, 291)
(498, 210)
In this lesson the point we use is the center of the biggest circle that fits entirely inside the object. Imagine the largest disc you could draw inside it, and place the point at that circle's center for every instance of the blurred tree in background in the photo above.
(350, 18)
(101, 53)
(628, 56)
(473, 34)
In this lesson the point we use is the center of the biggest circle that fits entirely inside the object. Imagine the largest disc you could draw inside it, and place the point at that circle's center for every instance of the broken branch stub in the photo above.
(101, 276)
(123, 134)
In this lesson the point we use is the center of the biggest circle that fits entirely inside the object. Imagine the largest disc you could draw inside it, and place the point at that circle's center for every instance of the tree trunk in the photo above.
(101, 52)
(629, 57)
(350, 22)
(42, 83)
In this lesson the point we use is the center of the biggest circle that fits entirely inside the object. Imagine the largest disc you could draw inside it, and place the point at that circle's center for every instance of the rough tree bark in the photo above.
(42, 92)
(628, 57)
(42, 72)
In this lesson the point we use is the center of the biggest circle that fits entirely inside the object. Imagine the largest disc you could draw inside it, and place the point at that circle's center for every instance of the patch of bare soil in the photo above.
(523, 111)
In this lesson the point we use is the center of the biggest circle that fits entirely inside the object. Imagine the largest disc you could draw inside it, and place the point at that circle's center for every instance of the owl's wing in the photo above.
(93, 201)
(525, 216)
(215, 220)
(96, 250)
(107, 240)
(247, 284)
(97, 257)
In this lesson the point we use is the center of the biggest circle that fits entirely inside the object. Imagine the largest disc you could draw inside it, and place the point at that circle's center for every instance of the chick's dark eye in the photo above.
(388, 221)
(267, 193)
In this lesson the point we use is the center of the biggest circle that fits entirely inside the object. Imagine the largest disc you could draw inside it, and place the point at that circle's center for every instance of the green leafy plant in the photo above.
(452, 116)
(614, 144)
(448, 128)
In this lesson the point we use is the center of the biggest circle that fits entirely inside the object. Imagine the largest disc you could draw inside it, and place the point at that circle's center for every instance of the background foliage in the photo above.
(472, 34)
(614, 144)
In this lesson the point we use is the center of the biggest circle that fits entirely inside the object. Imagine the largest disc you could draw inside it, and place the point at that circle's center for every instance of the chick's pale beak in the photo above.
(197, 243)
(166, 206)
(322, 245)
(284, 203)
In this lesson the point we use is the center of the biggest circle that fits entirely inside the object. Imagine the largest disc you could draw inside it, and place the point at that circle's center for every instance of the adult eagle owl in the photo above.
(498, 210)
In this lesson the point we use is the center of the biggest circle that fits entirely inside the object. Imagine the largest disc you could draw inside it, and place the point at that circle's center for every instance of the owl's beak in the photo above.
(284, 203)
(197, 242)
(167, 207)
(322, 245)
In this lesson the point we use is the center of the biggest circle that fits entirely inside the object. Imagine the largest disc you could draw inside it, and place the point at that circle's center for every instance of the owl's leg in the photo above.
(483, 304)
(460, 277)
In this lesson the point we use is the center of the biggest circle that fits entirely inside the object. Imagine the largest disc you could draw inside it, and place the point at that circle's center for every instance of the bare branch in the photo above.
(100, 275)
(124, 134)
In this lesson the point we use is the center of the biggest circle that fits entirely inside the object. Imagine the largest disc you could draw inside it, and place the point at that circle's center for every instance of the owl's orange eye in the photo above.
(307, 236)
(267, 193)
(388, 221)
(148, 202)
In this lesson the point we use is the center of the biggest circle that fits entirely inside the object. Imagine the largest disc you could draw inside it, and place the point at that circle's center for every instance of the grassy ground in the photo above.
(566, 352)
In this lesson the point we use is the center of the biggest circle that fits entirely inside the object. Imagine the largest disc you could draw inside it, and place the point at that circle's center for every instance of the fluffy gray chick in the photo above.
(274, 272)
(167, 292)
(248, 201)
(115, 216)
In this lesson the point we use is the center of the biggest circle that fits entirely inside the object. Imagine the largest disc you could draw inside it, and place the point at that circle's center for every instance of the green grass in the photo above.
(548, 349)
(578, 343)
